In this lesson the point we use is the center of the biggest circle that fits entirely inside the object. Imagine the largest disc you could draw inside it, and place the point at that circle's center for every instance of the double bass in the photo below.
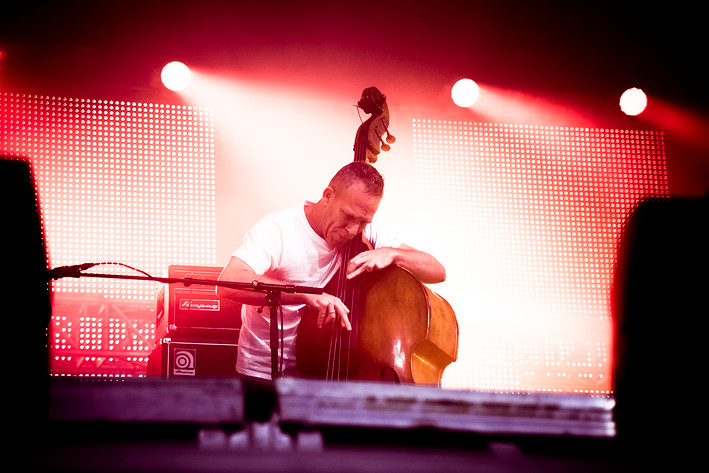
(402, 332)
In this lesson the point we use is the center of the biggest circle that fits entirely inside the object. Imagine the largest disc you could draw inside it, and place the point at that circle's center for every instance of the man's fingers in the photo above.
(342, 312)
(345, 321)
(355, 272)
(321, 318)
(331, 311)
(369, 261)
(355, 268)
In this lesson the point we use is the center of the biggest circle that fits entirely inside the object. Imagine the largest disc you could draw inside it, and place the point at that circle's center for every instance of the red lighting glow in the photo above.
(526, 218)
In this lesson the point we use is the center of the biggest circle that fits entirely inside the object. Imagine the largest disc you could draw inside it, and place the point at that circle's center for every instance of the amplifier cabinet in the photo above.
(194, 307)
(180, 359)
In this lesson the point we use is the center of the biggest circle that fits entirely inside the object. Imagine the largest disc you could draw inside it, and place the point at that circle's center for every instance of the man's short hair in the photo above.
(359, 172)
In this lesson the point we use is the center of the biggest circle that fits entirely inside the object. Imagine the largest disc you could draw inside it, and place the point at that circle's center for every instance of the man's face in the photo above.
(347, 212)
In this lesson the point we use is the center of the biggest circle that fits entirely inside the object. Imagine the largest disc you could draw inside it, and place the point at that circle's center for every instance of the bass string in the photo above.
(351, 290)
(335, 347)
(332, 354)
(340, 339)
(350, 302)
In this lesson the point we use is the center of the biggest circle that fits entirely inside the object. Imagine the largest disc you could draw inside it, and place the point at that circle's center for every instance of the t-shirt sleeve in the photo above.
(261, 247)
(379, 237)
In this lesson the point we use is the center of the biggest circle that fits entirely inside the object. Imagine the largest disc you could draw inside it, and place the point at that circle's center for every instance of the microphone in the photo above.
(69, 271)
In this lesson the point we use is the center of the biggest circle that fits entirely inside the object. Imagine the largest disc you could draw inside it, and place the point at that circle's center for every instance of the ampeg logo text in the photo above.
(184, 362)
(211, 305)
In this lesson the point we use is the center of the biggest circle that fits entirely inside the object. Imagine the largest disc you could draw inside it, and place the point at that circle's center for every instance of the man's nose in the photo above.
(353, 229)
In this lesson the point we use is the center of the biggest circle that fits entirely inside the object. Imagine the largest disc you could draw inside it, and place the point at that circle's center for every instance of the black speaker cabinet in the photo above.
(180, 359)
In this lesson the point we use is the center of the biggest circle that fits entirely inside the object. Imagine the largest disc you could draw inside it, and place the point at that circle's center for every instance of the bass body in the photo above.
(402, 332)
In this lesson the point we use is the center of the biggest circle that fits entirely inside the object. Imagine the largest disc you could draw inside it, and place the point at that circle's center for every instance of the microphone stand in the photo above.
(272, 295)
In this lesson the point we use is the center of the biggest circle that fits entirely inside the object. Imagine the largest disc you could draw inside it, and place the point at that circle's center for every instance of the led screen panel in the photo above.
(118, 182)
(532, 216)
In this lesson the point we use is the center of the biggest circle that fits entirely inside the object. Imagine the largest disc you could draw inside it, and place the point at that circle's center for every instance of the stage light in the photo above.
(465, 93)
(633, 101)
(175, 76)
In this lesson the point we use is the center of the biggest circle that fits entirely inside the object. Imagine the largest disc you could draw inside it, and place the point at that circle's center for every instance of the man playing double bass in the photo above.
(301, 247)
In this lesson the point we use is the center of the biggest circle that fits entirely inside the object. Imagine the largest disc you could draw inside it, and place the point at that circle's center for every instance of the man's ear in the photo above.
(328, 194)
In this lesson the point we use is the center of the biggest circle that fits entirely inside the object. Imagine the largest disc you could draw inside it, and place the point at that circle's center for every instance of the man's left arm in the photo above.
(422, 265)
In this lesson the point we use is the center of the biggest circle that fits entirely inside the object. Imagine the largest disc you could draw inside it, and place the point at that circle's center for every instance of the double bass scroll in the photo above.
(373, 135)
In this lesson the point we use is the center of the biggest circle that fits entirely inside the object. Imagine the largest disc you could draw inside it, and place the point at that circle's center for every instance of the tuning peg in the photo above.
(390, 138)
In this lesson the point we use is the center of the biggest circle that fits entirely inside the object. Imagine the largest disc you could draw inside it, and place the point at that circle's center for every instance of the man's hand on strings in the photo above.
(370, 260)
(329, 307)
(422, 265)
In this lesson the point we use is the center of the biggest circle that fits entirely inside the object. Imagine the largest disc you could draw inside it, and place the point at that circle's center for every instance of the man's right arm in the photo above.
(238, 271)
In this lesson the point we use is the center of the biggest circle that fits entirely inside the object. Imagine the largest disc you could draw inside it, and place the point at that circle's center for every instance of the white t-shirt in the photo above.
(284, 246)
